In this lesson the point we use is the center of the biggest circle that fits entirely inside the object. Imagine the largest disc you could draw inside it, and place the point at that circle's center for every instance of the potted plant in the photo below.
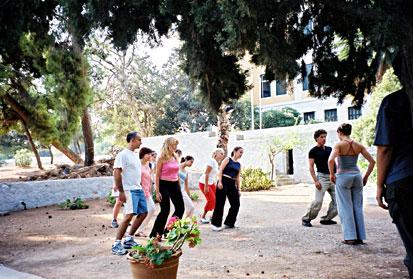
(157, 260)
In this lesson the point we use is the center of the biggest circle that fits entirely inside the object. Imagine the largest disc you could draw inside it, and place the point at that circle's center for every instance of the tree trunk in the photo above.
(223, 130)
(34, 149)
(51, 154)
(68, 152)
(88, 137)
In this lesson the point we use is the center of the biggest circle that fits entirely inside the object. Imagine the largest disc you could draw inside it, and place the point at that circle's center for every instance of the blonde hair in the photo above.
(166, 154)
(216, 151)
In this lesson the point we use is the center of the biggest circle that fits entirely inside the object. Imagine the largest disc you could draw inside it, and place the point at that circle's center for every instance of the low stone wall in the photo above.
(50, 192)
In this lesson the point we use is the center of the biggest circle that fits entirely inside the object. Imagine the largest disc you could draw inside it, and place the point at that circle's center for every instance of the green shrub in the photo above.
(363, 165)
(194, 196)
(255, 180)
(23, 158)
(110, 199)
(75, 204)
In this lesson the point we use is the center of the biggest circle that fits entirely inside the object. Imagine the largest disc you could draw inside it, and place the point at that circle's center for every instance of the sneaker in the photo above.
(204, 221)
(114, 224)
(328, 222)
(118, 249)
(307, 223)
(216, 229)
(129, 242)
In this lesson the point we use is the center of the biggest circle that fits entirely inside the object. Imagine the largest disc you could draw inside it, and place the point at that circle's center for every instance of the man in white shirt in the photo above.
(127, 176)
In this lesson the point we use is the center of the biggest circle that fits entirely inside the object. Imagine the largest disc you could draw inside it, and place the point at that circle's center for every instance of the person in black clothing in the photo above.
(319, 156)
(228, 186)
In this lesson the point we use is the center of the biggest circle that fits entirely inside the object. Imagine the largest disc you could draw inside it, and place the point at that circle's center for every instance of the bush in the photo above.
(194, 196)
(110, 199)
(75, 204)
(255, 180)
(363, 165)
(23, 158)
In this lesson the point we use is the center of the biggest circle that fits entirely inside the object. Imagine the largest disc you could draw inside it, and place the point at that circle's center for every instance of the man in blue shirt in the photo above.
(394, 141)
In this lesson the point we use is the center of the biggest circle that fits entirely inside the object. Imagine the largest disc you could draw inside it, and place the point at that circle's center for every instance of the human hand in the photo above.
(206, 189)
(122, 196)
(365, 178)
(333, 178)
(158, 196)
(220, 186)
(379, 198)
(318, 185)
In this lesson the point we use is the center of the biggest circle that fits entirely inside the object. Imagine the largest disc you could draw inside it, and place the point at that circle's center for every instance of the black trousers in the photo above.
(399, 197)
(170, 191)
(229, 190)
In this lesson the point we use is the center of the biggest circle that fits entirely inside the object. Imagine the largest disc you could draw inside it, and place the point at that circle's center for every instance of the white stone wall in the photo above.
(255, 143)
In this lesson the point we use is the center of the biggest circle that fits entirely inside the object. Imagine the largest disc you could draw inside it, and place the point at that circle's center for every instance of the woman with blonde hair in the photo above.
(167, 186)
(208, 181)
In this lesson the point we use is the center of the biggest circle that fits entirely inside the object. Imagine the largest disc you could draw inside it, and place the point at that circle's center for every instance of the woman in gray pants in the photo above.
(349, 184)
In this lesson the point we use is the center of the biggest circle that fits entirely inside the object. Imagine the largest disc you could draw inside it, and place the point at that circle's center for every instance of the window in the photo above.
(330, 115)
(308, 68)
(308, 116)
(265, 87)
(281, 87)
(353, 113)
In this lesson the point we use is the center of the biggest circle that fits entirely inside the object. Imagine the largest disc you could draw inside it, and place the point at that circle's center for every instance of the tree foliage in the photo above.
(364, 127)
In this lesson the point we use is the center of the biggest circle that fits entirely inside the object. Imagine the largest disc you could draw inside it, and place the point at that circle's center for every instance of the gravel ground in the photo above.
(269, 243)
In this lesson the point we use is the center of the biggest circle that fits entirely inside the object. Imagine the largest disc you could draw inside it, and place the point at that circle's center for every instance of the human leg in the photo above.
(234, 201)
(357, 196)
(160, 221)
(345, 205)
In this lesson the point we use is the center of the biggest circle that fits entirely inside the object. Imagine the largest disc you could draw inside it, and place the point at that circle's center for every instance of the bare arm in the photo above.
(159, 164)
(117, 174)
(186, 186)
(331, 161)
(312, 173)
(220, 172)
(384, 154)
(207, 172)
(372, 162)
(238, 180)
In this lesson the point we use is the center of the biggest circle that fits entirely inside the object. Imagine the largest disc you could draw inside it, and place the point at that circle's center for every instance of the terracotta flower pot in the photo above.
(167, 270)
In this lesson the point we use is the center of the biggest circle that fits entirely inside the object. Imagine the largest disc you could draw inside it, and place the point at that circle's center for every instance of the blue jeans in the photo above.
(349, 194)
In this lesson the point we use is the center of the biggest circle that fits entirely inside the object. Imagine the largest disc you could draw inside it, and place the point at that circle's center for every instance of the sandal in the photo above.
(140, 234)
(349, 242)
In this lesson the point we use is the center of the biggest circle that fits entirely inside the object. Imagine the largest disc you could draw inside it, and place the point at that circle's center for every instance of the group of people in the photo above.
(135, 178)
(339, 175)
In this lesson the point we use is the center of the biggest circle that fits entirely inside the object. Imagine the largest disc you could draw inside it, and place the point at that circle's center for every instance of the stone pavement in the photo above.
(8, 273)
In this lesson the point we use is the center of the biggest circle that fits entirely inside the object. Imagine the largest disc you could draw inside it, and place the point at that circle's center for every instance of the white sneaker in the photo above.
(216, 229)
(205, 221)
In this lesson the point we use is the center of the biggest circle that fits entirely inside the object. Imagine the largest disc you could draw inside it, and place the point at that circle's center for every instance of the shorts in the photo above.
(135, 202)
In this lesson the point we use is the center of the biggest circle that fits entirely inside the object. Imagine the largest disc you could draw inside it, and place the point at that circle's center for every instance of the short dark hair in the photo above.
(179, 152)
(319, 133)
(144, 151)
(130, 136)
(345, 129)
(187, 158)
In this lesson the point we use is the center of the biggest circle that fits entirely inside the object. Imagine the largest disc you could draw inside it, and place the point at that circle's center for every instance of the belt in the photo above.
(226, 175)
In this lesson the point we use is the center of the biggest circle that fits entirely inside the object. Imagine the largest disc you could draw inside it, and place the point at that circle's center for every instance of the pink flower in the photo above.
(171, 222)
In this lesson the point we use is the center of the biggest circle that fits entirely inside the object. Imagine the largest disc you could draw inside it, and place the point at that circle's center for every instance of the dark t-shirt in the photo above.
(320, 156)
(394, 128)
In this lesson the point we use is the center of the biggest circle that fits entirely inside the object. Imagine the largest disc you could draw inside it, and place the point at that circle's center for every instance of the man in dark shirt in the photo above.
(319, 156)
(394, 141)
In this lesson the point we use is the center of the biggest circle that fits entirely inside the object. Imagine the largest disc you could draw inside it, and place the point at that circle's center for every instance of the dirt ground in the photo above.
(269, 243)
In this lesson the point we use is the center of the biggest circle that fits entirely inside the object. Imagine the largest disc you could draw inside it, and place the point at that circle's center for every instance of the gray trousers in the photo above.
(315, 206)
